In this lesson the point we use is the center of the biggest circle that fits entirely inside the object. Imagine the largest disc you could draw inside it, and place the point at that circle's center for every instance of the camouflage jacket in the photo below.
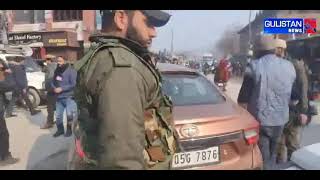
(299, 92)
(125, 121)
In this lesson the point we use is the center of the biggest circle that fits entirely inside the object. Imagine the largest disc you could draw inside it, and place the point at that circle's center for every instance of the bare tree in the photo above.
(229, 41)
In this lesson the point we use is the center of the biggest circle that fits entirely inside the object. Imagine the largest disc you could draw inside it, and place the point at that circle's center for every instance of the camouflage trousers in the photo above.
(290, 140)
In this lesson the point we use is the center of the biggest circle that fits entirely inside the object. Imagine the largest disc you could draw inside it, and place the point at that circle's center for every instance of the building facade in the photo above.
(56, 32)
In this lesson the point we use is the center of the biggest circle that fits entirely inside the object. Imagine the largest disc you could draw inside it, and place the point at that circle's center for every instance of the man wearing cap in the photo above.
(299, 106)
(125, 122)
(267, 90)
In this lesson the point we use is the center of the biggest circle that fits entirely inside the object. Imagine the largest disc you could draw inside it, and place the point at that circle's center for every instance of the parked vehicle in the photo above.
(35, 77)
(215, 133)
(306, 158)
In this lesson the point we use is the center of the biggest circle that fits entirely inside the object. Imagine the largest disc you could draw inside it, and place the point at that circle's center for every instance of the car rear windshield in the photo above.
(185, 89)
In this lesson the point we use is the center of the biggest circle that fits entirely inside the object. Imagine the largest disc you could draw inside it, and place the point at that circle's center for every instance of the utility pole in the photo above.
(250, 30)
(171, 42)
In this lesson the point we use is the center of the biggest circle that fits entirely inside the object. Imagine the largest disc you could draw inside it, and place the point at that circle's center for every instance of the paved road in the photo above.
(37, 149)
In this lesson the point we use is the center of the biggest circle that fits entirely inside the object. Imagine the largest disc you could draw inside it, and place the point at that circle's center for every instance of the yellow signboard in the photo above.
(58, 42)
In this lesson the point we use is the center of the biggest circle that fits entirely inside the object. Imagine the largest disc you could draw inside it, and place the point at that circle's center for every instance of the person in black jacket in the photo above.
(5, 86)
(20, 77)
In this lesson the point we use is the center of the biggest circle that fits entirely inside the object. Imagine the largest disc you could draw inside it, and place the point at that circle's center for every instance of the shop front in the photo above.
(62, 43)
(58, 43)
(34, 40)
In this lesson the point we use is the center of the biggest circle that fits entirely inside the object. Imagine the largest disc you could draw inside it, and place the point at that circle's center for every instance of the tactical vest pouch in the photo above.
(161, 139)
(156, 154)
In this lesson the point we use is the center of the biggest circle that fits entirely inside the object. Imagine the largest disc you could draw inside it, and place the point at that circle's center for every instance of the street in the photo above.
(37, 149)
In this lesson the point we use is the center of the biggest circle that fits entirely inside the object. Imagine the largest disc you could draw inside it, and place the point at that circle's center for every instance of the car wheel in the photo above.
(34, 97)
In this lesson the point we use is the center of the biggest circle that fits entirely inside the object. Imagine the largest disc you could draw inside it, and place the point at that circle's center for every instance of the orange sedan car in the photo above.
(215, 133)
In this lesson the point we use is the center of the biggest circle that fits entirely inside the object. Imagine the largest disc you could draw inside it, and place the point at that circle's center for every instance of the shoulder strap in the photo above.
(153, 70)
(108, 43)
(93, 50)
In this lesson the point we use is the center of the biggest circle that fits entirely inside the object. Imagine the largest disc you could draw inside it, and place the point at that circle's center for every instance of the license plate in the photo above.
(196, 158)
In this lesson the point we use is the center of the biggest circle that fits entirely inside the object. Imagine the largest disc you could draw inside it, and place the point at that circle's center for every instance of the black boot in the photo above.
(60, 130)
(69, 130)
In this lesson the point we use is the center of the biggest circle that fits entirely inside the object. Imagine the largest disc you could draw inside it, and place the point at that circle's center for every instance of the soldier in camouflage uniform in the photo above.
(298, 111)
(125, 122)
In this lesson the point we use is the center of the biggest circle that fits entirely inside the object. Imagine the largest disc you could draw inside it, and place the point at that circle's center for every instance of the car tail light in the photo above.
(251, 135)
(316, 96)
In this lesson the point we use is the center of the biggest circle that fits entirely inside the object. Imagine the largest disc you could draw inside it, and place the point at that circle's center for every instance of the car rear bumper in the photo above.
(248, 161)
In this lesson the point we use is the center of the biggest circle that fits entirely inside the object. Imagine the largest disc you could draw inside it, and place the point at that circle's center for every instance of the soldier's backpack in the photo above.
(161, 138)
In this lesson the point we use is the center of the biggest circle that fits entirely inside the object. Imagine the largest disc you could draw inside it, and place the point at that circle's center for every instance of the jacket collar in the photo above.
(133, 45)
(143, 52)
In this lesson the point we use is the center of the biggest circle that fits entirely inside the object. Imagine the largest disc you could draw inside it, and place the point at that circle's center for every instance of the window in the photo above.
(29, 16)
(67, 15)
(39, 16)
(188, 90)
(23, 16)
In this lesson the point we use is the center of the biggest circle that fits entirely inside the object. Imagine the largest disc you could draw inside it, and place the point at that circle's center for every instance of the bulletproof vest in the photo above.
(160, 135)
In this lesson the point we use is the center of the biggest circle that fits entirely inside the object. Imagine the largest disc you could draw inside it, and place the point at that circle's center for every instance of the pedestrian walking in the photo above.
(223, 73)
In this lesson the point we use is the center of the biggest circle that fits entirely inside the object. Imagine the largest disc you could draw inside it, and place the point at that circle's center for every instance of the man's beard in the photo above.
(132, 34)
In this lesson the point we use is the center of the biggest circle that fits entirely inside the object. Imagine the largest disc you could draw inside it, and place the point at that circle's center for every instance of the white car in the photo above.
(306, 158)
(35, 76)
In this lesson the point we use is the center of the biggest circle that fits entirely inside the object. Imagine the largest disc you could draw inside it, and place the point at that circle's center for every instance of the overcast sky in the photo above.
(197, 30)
